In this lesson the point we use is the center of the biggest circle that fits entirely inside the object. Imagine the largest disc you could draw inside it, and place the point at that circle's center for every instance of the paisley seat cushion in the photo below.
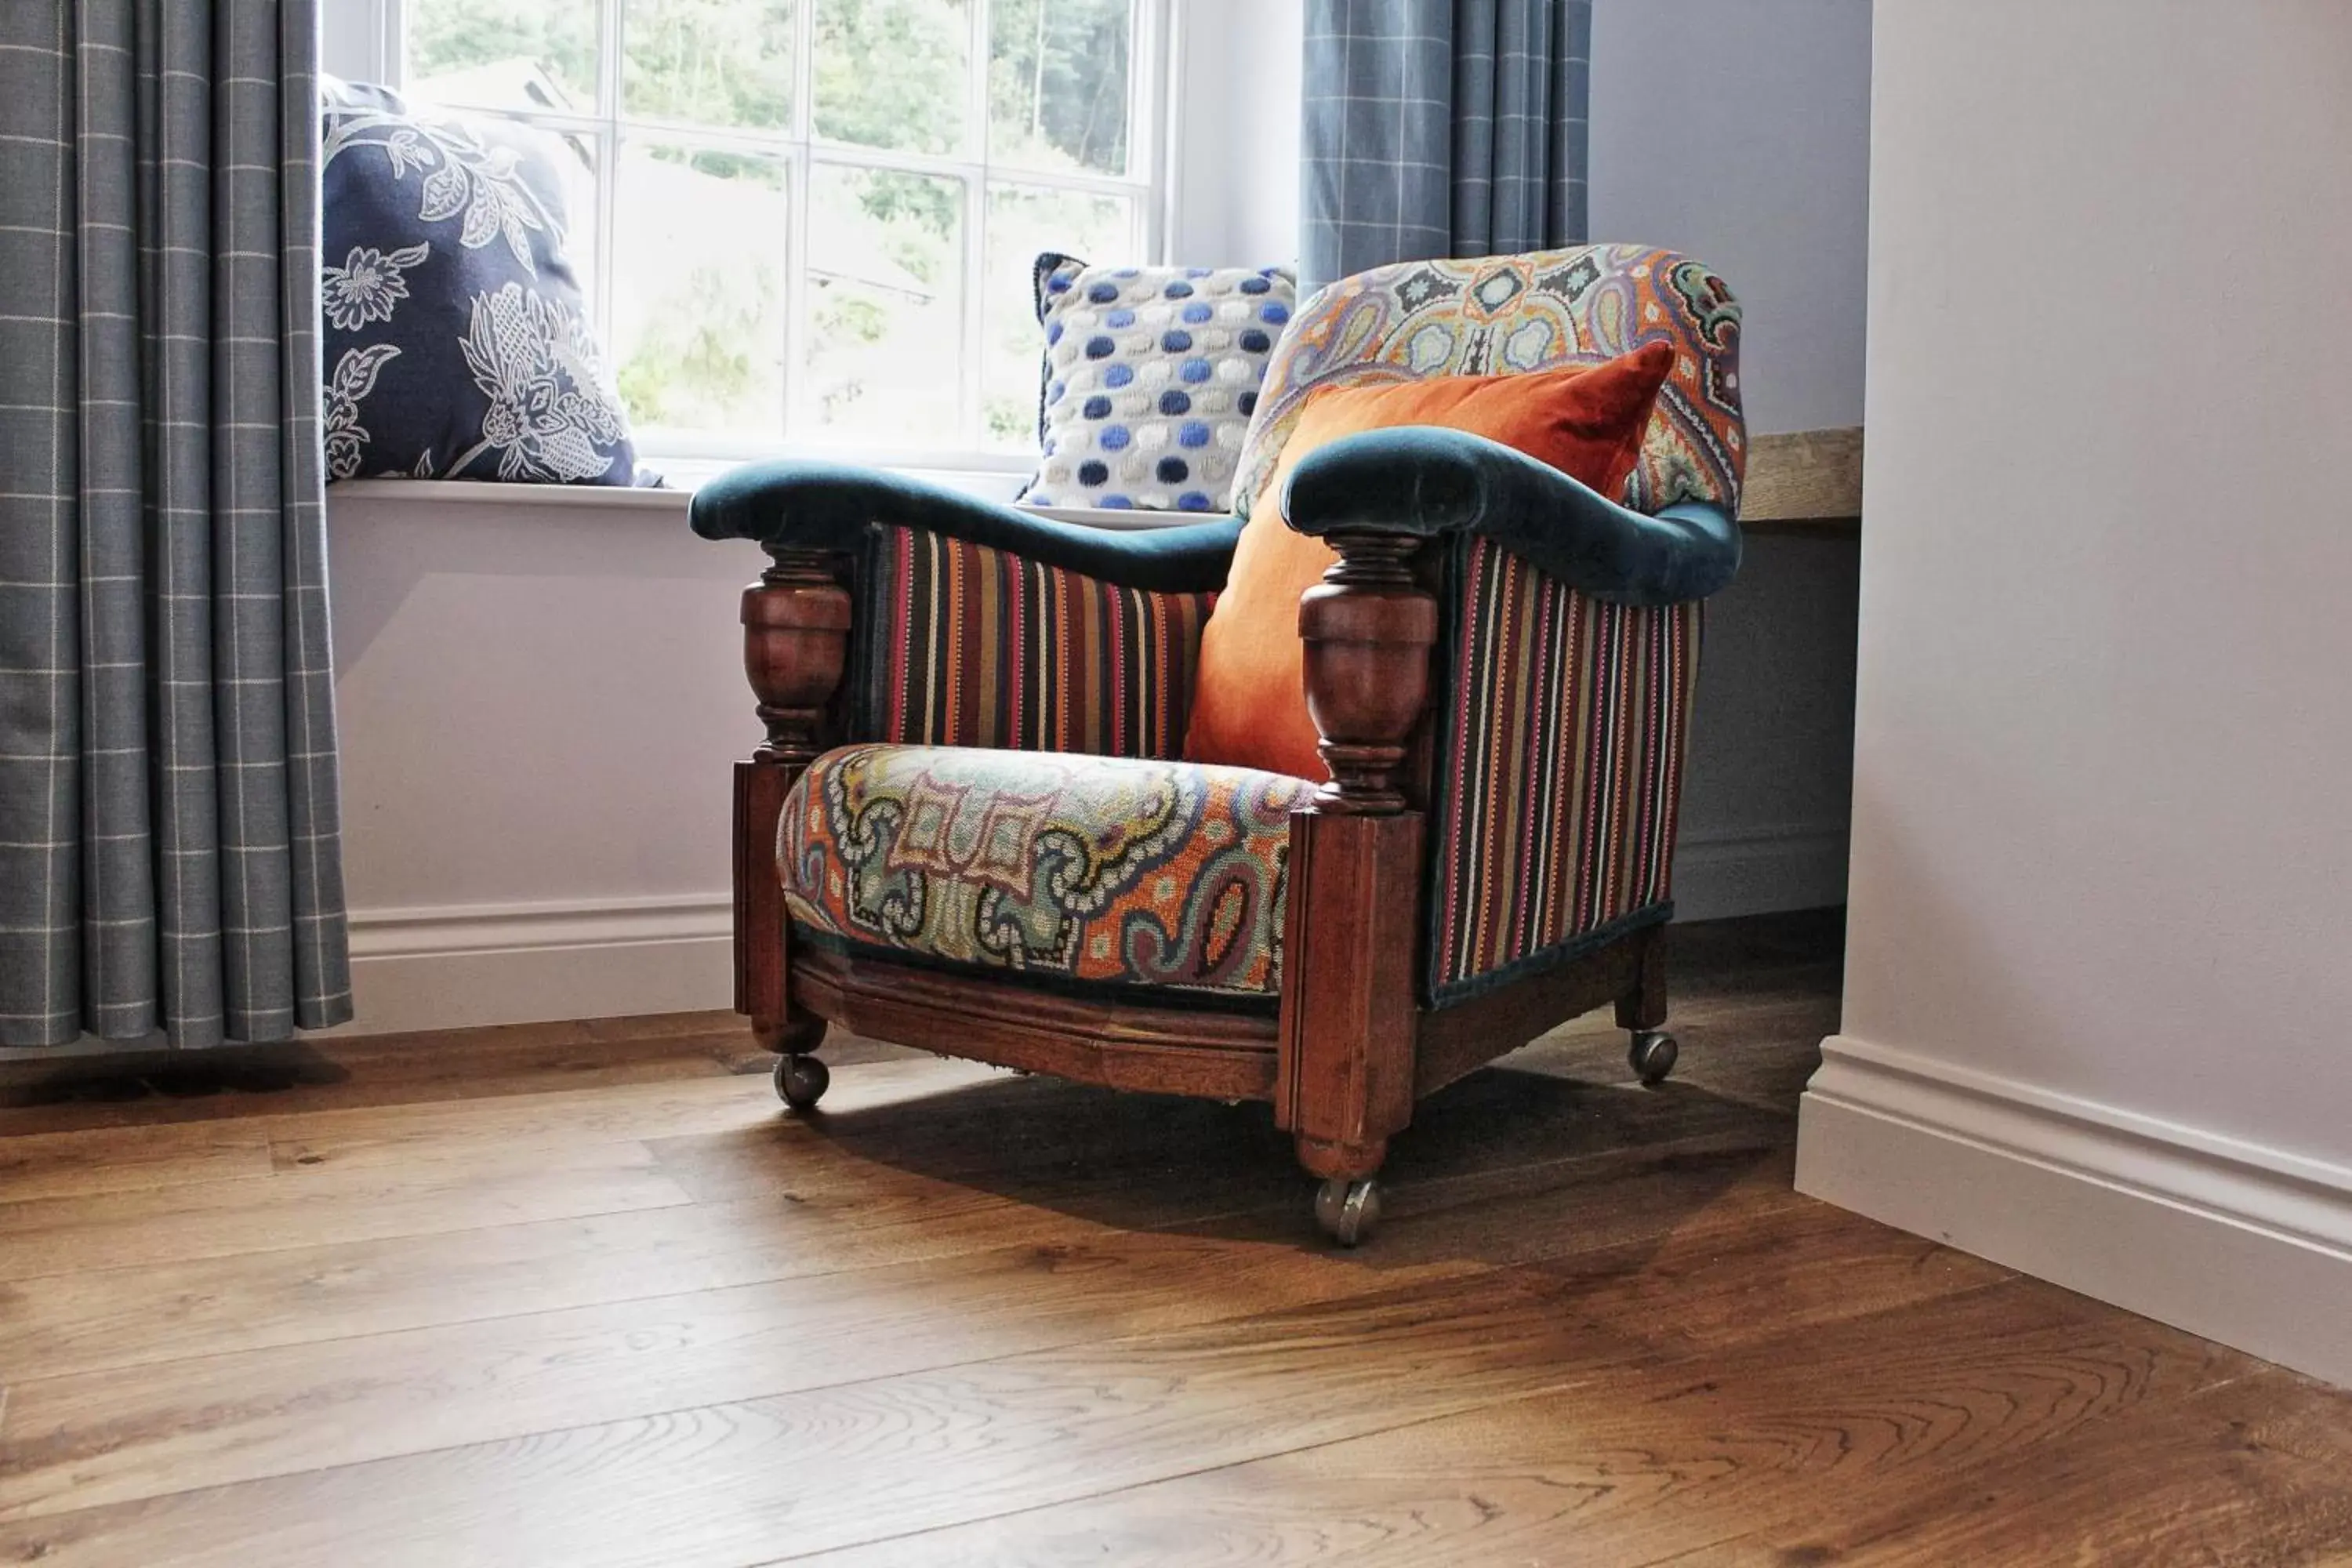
(1097, 871)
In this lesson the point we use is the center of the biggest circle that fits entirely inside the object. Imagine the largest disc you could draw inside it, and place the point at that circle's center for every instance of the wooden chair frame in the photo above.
(1351, 1049)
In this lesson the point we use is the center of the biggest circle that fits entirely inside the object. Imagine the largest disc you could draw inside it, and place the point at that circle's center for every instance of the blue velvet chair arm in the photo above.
(828, 506)
(1427, 481)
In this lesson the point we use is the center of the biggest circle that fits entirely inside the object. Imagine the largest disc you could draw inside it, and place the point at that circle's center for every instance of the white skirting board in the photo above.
(1758, 870)
(2248, 1246)
(470, 964)
(456, 967)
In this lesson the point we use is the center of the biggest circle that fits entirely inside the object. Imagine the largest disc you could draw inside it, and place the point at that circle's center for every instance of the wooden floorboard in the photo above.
(2258, 1470)
(1648, 1461)
(167, 1089)
(581, 1294)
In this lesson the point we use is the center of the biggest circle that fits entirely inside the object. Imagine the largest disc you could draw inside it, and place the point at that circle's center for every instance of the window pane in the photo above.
(891, 73)
(699, 288)
(1021, 221)
(576, 168)
(884, 360)
(716, 62)
(1058, 84)
(504, 54)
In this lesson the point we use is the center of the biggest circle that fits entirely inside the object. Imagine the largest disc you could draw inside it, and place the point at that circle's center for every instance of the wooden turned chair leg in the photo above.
(796, 622)
(1347, 1019)
(1651, 1051)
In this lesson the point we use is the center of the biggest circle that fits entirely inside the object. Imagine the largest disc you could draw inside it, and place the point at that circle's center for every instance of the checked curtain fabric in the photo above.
(168, 827)
(1437, 127)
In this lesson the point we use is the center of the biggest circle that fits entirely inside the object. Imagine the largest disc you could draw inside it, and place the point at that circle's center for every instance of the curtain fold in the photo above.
(169, 836)
(1441, 128)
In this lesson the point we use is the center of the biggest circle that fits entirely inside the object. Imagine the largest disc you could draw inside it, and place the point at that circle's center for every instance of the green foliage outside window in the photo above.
(715, 62)
(1057, 83)
(700, 317)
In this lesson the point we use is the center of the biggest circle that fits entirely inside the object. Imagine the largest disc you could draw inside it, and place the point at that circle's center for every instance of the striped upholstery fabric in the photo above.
(1563, 726)
(974, 647)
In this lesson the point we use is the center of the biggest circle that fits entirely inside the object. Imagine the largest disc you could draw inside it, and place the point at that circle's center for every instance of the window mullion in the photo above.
(976, 84)
(608, 59)
(608, 184)
(804, 70)
(799, 301)
(390, 44)
(609, 44)
(975, 224)
(1153, 97)
(798, 338)
(975, 319)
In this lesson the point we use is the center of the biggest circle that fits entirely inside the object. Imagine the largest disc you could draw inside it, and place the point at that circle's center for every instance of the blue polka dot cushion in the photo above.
(1151, 375)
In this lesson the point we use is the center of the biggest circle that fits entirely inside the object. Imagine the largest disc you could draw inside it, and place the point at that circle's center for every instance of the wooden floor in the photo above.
(583, 1295)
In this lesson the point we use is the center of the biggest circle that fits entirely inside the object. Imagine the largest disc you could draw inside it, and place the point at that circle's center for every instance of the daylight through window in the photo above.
(812, 221)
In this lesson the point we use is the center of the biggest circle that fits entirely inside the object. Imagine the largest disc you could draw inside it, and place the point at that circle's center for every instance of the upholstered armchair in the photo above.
(967, 828)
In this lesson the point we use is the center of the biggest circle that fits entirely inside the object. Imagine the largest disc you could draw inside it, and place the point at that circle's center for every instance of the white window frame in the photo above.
(365, 39)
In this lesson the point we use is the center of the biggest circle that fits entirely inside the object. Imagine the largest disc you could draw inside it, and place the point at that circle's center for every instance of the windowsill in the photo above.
(554, 500)
(477, 493)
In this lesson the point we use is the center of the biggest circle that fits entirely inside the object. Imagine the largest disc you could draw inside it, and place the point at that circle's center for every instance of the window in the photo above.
(810, 223)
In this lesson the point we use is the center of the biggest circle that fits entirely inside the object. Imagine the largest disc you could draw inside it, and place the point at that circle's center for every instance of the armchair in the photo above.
(966, 829)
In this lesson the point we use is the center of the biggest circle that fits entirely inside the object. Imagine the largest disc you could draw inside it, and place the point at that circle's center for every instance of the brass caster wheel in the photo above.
(801, 1080)
(1651, 1055)
(1347, 1210)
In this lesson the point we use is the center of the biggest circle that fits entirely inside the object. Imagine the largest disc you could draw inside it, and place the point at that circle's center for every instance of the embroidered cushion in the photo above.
(1491, 314)
(1151, 376)
(1088, 869)
(455, 340)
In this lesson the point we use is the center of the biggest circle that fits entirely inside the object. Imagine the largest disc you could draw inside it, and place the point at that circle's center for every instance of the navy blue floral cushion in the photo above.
(456, 341)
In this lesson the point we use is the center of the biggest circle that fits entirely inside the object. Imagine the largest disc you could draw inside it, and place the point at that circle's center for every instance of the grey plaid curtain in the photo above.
(168, 843)
(1441, 128)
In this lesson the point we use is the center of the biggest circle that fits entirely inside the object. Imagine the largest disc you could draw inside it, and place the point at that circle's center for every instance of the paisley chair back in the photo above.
(1499, 314)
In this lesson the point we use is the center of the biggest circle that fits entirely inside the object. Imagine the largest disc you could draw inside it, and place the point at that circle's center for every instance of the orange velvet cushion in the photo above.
(1249, 703)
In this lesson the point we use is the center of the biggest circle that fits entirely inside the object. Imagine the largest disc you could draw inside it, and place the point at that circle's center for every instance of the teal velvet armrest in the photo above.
(830, 506)
(1427, 481)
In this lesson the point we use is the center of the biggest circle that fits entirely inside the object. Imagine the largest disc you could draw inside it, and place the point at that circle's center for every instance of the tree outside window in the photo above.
(815, 219)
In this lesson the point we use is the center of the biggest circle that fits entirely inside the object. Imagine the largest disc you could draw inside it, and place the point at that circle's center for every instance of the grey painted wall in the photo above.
(1738, 131)
(2098, 969)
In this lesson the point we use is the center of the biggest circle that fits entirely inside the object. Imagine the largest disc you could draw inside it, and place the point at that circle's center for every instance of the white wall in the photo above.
(539, 697)
(353, 39)
(1238, 75)
(1738, 131)
(2100, 949)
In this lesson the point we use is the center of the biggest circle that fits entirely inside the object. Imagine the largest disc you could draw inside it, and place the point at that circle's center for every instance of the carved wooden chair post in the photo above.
(1348, 942)
(966, 828)
(796, 621)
